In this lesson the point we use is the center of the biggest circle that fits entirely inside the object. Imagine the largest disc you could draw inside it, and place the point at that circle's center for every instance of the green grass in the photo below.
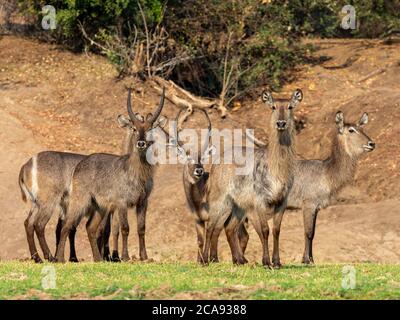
(23, 280)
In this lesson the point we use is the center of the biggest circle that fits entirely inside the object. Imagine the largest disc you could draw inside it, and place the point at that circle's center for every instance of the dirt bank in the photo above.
(53, 99)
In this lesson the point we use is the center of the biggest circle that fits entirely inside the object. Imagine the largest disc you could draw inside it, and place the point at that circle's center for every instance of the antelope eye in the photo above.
(273, 108)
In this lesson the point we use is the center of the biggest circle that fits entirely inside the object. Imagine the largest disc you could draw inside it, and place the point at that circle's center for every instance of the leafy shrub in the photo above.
(95, 15)
(214, 48)
(253, 43)
(322, 18)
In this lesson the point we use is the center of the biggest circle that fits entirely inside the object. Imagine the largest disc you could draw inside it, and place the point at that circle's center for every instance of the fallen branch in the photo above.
(349, 61)
(172, 97)
(184, 99)
(372, 74)
(392, 37)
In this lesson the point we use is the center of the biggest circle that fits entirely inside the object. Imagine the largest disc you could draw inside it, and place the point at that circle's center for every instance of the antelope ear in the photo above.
(297, 96)
(211, 150)
(160, 122)
(266, 97)
(339, 119)
(181, 153)
(363, 119)
(124, 121)
(149, 116)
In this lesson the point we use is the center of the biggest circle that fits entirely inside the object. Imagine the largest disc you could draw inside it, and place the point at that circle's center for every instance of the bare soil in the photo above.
(52, 99)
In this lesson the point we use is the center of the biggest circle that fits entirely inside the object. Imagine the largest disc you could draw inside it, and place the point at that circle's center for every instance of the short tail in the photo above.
(64, 204)
(22, 184)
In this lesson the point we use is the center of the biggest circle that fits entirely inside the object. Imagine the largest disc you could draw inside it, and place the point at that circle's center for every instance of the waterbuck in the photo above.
(121, 216)
(316, 182)
(119, 220)
(103, 183)
(195, 182)
(42, 180)
(260, 191)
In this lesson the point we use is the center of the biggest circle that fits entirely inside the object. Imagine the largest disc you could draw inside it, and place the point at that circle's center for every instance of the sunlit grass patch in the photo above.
(25, 280)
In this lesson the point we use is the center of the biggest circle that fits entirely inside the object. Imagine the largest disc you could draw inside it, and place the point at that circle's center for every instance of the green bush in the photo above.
(213, 46)
(94, 15)
(322, 18)
(263, 46)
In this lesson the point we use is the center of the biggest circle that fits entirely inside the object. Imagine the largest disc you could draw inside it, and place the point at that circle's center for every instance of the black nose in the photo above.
(371, 144)
(141, 144)
(198, 172)
(281, 124)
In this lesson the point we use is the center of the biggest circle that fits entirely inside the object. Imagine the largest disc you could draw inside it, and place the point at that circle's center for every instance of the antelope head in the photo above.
(282, 119)
(352, 136)
(141, 125)
(194, 162)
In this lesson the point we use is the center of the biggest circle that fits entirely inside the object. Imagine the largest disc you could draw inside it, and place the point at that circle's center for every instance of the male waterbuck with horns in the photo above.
(261, 190)
(103, 183)
(43, 180)
(120, 220)
(195, 183)
(316, 182)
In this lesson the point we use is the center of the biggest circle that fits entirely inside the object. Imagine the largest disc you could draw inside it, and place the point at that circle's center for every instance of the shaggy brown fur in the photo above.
(317, 181)
(103, 183)
(42, 180)
(265, 186)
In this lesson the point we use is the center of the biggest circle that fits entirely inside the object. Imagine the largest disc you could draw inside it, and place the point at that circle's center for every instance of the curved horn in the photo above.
(207, 142)
(179, 146)
(129, 106)
(159, 109)
(176, 131)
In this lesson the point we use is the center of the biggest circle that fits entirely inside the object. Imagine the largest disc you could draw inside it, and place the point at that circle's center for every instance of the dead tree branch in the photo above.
(181, 97)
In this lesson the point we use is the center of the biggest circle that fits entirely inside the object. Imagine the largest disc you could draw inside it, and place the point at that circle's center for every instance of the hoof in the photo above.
(267, 264)
(203, 262)
(307, 261)
(277, 265)
(144, 258)
(115, 257)
(214, 260)
(35, 257)
(73, 259)
(51, 259)
(240, 261)
(125, 258)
